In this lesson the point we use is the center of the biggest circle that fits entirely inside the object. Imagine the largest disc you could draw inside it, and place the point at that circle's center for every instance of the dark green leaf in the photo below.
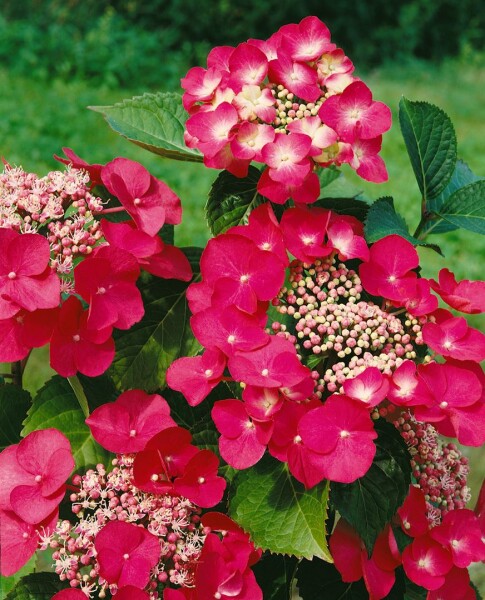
(36, 586)
(144, 353)
(56, 406)
(318, 580)
(231, 199)
(414, 592)
(382, 220)
(402, 539)
(275, 574)
(14, 404)
(477, 591)
(466, 207)
(431, 143)
(155, 122)
(345, 206)
(278, 512)
(369, 503)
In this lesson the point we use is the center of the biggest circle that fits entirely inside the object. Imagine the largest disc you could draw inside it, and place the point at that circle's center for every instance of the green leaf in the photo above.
(231, 199)
(275, 575)
(144, 353)
(414, 592)
(466, 207)
(327, 175)
(56, 406)
(277, 511)
(369, 503)
(383, 220)
(341, 187)
(431, 143)
(318, 579)
(155, 122)
(14, 404)
(345, 206)
(36, 586)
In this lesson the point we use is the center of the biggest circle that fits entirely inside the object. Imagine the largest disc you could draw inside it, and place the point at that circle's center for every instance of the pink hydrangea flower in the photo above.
(126, 553)
(370, 387)
(149, 201)
(465, 296)
(453, 337)
(24, 331)
(413, 513)
(106, 280)
(74, 346)
(77, 162)
(26, 279)
(33, 475)
(426, 562)
(343, 432)
(126, 425)
(461, 534)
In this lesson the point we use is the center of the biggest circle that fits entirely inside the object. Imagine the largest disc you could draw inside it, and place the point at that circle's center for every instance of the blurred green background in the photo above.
(58, 57)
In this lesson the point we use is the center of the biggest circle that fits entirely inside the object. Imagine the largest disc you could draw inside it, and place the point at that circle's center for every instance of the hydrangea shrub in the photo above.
(264, 417)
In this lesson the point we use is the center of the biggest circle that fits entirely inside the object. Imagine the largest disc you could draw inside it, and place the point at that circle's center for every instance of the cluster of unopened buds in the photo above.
(68, 278)
(289, 102)
(138, 530)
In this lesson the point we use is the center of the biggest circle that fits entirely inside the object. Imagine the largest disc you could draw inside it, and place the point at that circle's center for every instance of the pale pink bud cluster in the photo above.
(333, 322)
(104, 497)
(440, 470)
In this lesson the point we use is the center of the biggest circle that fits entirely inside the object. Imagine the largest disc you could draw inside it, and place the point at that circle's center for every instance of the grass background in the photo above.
(37, 119)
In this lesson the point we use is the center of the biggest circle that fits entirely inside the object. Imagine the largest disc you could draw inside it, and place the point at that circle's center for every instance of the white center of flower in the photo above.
(137, 201)
(265, 372)
(251, 143)
(76, 338)
(266, 246)
(12, 275)
(422, 563)
(244, 278)
(455, 543)
(284, 157)
(25, 535)
(407, 525)
(355, 114)
(217, 596)
(231, 339)
(38, 478)
(201, 480)
(443, 404)
(391, 278)
(132, 432)
(208, 372)
(447, 344)
(297, 439)
(307, 240)
(101, 290)
(126, 556)
(344, 433)
(154, 477)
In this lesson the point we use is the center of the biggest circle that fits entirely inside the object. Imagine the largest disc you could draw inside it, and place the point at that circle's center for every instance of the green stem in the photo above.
(77, 388)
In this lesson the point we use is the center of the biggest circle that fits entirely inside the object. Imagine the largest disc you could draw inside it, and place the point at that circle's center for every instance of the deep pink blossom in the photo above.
(19, 540)
(426, 562)
(297, 77)
(247, 65)
(389, 272)
(200, 482)
(287, 159)
(366, 160)
(403, 383)
(75, 347)
(456, 585)
(333, 63)
(33, 474)
(465, 296)
(353, 563)
(196, 376)
(305, 192)
(126, 425)
(152, 254)
(149, 201)
(413, 513)
(421, 302)
(252, 102)
(258, 274)
(213, 129)
(243, 440)
(24, 331)
(308, 40)
(370, 387)
(274, 365)
(353, 114)
(106, 280)
(341, 430)
(262, 403)
(461, 534)
(304, 231)
(321, 135)
(250, 140)
(26, 279)
(77, 162)
(453, 337)
(200, 85)
(126, 553)
(349, 246)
